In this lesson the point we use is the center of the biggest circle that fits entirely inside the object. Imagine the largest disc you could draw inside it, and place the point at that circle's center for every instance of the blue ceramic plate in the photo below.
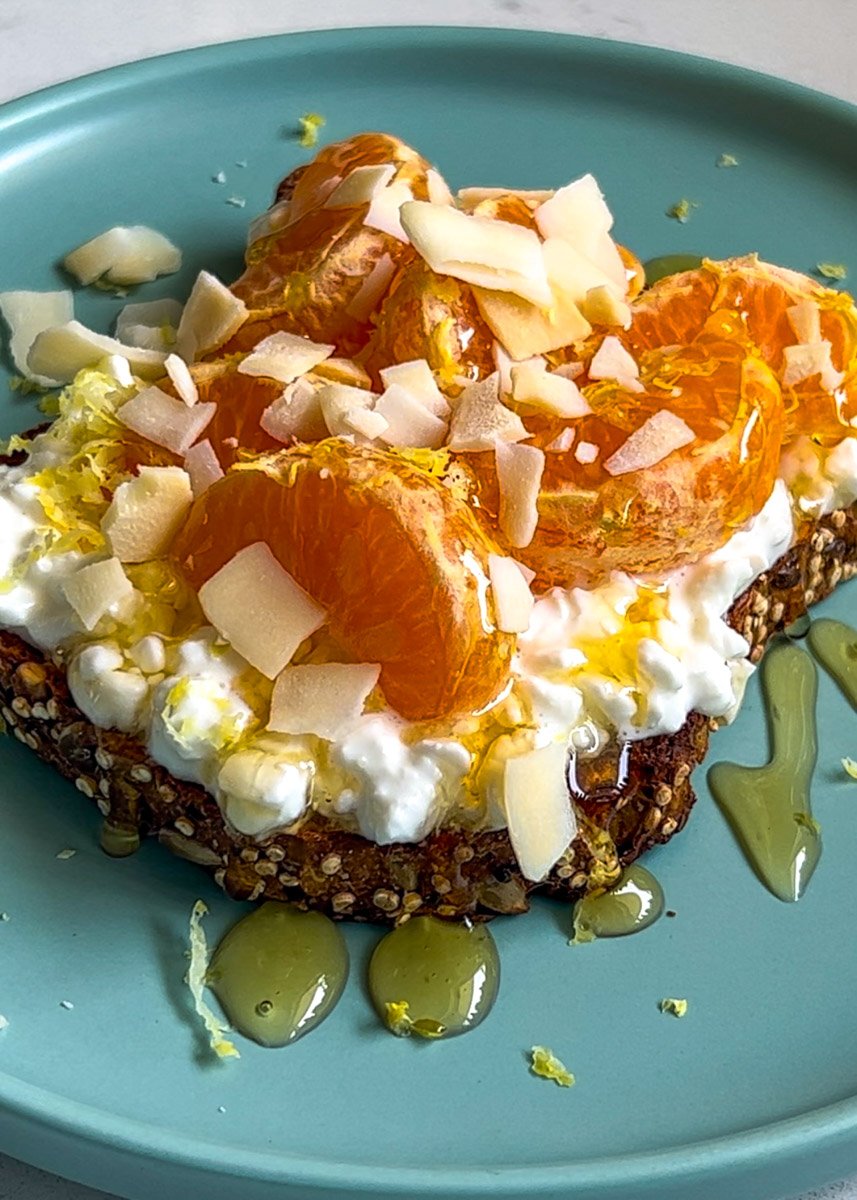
(752, 1095)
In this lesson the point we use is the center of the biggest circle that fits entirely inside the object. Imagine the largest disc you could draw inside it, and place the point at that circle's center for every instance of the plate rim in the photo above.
(810, 1134)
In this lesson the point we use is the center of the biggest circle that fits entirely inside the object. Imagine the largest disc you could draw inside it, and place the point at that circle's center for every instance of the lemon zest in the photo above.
(546, 1065)
(195, 980)
(308, 126)
(850, 767)
(675, 1007)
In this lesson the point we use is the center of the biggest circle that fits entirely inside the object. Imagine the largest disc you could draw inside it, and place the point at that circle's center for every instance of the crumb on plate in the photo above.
(546, 1065)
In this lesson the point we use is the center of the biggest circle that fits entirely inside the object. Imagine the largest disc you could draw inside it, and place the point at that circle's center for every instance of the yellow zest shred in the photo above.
(727, 160)
(831, 270)
(682, 209)
(546, 1065)
(400, 1022)
(673, 1006)
(195, 980)
(309, 125)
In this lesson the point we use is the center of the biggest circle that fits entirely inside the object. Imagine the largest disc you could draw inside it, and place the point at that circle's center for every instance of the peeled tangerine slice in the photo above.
(322, 259)
(397, 562)
(787, 316)
(259, 609)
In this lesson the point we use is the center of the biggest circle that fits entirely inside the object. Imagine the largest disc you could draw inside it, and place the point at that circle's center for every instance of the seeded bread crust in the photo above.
(452, 872)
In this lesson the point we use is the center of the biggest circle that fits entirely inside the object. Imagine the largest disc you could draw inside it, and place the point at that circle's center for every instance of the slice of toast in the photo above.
(453, 872)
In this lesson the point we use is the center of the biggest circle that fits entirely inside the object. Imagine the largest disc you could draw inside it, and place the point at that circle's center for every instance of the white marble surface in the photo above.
(45, 41)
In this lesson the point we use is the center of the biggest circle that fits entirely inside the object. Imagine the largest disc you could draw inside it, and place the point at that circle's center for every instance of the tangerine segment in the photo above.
(751, 299)
(306, 270)
(434, 317)
(672, 512)
(399, 563)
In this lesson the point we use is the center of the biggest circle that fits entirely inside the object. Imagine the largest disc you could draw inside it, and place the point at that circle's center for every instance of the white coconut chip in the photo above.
(586, 452)
(60, 352)
(360, 185)
(540, 817)
(296, 414)
(479, 250)
(525, 330)
(183, 381)
(578, 214)
(118, 366)
(805, 320)
(535, 386)
(372, 290)
(203, 467)
(367, 423)
(284, 356)
(612, 361)
(803, 361)
(519, 476)
(162, 419)
(97, 589)
(409, 422)
(195, 980)
(385, 211)
(154, 320)
(342, 370)
(210, 318)
(513, 600)
(563, 441)
(338, 402)
(146, 513)
(659, 436)
(324, 699)
(28, 314)
(124, 255)
(480, 420)
(603, 305)
(438, 188)
(259, 609)
(417, 377)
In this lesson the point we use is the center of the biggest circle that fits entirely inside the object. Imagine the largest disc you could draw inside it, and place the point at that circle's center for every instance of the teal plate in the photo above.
(754, 1094)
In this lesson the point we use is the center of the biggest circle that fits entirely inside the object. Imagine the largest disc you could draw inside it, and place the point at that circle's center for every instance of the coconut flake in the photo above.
(438, 188)
(539, 814)
(563, 441)
(519, 475)
(524, 330)
(323, 699)
(124, 255)
(60, 352)
(372, 290)
(417, 378)
(211, 317)
(479, 250)
(182, 379)
(146, 513)
(153, 321)
(259, 609)
(97, 589)
(28, 314)
(343, 370)
(409, 422)
(296, 414)
(338, 402)
(803, 361)
(479, 419)
(534, 385)
(578, 215)
(203, 467)
(603, 305)
(612, 361)
(805, 320)
(360, 186)
(513, 600)
(656, 438)
(284, 356)
(586, 452)
(164, 420)
(385, 211)
(368, 423)
(119, 367)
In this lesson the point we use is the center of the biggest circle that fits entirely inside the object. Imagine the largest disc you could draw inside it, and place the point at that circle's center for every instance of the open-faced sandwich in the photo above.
(414, 572)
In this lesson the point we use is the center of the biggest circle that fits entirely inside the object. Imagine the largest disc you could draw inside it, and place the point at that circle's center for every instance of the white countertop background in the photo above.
(45, 41)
